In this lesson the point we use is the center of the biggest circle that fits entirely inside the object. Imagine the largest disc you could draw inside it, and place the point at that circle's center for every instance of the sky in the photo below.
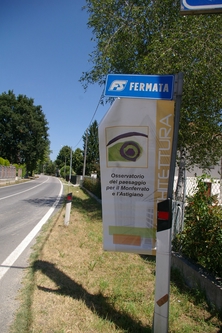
(45, 47)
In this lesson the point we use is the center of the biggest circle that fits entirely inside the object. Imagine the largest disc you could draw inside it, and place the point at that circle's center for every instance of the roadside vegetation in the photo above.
(5, 162)
(93, 185)
(201, 239)
(24, 130)
(72, 285)
(151, 37)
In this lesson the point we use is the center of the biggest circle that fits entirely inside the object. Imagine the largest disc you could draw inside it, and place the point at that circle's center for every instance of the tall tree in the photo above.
(49, 168)
(44, 161)
(151, 37)
(23, 130)
(91, 148)
(77, 161)
(63, 158)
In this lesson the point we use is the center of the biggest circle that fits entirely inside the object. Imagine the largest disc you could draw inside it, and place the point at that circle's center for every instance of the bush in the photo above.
(65, 171)
(201, 239)
(4, 162)
(22, 167)
(92, 185)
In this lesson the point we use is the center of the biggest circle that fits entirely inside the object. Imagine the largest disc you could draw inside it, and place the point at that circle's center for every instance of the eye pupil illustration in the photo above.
(130, 150)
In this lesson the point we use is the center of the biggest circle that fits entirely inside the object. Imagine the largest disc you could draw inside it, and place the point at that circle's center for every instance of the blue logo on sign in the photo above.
(140, 86)
(118, 85)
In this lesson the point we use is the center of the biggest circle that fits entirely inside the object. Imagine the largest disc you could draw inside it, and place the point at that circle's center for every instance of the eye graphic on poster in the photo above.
(127, 146)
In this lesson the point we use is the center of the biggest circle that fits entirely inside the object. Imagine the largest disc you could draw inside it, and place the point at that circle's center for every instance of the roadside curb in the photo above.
(195, 278)
(7, 181)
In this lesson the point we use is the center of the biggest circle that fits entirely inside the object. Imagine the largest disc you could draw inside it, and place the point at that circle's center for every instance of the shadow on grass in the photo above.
(92, 208)
(98, 304)
(148, 258)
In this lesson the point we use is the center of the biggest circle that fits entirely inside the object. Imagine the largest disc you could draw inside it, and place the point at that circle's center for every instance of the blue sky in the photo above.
(45, 47)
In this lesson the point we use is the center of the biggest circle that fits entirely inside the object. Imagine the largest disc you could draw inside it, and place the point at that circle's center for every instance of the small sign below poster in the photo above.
(135, 139)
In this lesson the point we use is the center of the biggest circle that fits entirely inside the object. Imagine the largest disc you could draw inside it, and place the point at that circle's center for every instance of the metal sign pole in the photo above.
(178, 98)
(164, 224)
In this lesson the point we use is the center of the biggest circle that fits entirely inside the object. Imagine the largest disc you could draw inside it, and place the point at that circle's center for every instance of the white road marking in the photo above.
(12, 195)
(9, 261)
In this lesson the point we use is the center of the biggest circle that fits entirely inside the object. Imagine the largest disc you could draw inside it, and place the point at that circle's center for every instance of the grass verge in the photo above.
(74, 286)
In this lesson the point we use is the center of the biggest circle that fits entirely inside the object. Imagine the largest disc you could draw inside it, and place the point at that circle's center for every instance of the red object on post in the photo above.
(163, 215)
(69, 198)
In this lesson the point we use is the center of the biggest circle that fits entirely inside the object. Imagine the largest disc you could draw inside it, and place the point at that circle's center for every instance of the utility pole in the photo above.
(65, 169)
(84, 165)
(70, 168)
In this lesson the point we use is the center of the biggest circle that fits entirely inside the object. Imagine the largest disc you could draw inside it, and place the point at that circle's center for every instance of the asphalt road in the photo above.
(24, 208)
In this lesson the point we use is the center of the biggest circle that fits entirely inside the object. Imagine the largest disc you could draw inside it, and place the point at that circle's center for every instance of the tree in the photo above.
(49, 168)
(65, 172)
(23, 130)
(151, 37)
(42, 165)
(63, 158)
(91, 147)
(77, 161)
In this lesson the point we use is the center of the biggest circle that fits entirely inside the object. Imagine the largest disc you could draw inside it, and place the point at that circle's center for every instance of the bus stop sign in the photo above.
(201, 6)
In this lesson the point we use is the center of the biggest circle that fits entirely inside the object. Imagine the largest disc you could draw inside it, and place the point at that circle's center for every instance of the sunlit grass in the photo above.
(74, 286)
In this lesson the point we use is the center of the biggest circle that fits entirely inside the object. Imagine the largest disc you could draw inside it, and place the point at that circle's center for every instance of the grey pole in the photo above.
(163, 235)
(70, 167)
(65, 169)
(178, 98)
(84, 165)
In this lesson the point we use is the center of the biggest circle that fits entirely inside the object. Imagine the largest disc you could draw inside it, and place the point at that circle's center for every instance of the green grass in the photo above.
(74, 286)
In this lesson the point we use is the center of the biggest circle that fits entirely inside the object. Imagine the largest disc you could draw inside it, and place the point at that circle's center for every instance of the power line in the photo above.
(101, 96)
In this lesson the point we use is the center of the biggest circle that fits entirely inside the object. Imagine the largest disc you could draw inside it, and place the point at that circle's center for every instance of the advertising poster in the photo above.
(135, 142)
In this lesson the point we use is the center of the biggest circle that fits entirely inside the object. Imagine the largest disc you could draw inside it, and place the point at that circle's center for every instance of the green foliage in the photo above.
(151, 37)
(23, 130)
(91, 142)
(21, 166)
(63, 159)
(16, 166)
(4, 162)
(93, 185)
(77, 161)
(49, 168)
(201, 239)
(65, 171)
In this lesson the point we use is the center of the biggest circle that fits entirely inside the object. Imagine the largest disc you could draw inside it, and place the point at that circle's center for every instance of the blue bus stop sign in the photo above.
(140, 86)
(201, 6)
